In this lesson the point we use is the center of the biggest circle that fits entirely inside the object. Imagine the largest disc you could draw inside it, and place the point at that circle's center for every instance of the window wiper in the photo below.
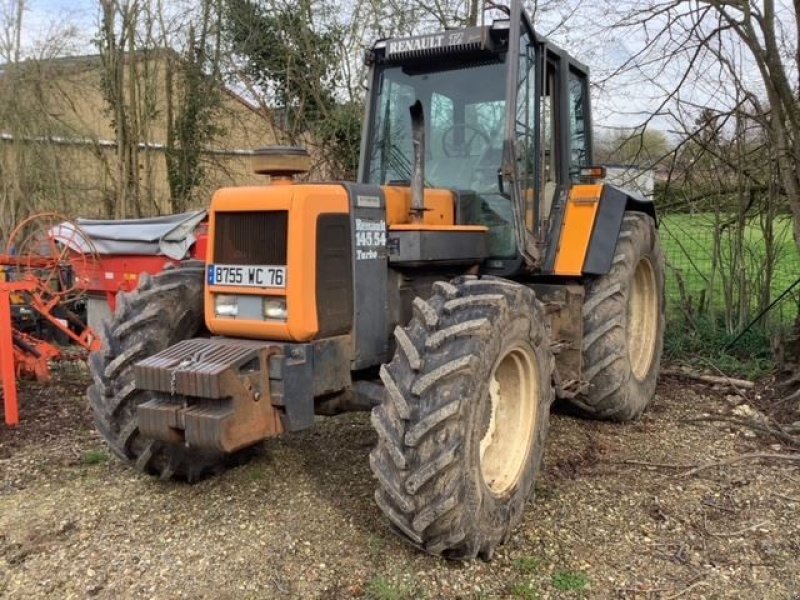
(397, 160)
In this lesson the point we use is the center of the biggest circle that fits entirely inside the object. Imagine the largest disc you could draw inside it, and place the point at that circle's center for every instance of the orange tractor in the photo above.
(477, 270)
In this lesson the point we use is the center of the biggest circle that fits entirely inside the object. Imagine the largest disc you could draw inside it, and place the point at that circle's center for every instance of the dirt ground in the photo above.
(299, 520)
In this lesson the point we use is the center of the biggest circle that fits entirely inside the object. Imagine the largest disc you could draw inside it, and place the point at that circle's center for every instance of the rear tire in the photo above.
(463, 423)
(623, 326)
(162, 311)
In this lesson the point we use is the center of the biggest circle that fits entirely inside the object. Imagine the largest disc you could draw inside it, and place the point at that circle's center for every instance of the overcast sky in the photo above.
(621, 103)
(44, 16)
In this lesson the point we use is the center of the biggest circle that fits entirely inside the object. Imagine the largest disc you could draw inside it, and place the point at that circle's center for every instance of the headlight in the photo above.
(226, 306)
(275, 308)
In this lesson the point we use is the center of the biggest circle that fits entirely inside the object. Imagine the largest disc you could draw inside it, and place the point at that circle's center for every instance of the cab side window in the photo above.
(578, 154)
(525, 131)
(550, 160)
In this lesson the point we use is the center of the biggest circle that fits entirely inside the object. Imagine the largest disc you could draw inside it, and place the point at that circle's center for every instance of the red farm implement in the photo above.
(50, 265)
(38, 278)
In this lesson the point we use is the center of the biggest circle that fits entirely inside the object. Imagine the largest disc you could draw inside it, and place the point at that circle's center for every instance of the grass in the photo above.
(380, 588)
(95, 457)
(256, 474)
(704, 346)
(527, 564)
(570, 581)
(525, 590)
(376, 546)
(688, 242)
(544, 492)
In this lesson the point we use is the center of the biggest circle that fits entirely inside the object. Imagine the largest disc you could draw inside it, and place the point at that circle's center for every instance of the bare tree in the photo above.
(192, 95)
(154, 54)
(11, 14)
(713, 47)
(32, 172)
(724, 76)
(115, 42)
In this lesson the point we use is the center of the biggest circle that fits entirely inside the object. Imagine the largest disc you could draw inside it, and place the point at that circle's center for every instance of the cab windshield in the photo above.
(465, 112)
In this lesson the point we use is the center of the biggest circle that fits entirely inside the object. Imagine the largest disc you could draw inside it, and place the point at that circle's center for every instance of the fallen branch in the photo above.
(700, 580)
(712, 379)
(742, 393)
(644, 463)
(741, 458)
(647, 591)
(713, 504)
(776, 432)
(789, 384)
(789, 498)
(791, 398)
(736, 533)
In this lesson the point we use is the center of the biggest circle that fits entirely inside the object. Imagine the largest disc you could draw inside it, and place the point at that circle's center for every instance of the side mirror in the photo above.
(592, 173)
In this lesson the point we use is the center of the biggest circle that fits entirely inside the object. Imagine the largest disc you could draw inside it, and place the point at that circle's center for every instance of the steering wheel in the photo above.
(453, 150)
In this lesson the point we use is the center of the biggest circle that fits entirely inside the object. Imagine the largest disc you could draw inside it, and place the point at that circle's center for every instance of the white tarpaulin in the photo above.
(172, 235)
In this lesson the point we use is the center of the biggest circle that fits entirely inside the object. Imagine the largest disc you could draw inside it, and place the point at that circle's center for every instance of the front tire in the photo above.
(463, 423)
(623, 326)
(163, 310)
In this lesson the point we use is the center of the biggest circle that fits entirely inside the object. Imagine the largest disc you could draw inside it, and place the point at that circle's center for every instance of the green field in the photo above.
(689, 242)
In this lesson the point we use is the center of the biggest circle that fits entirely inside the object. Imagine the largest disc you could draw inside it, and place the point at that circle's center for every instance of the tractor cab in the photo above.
(491, 101)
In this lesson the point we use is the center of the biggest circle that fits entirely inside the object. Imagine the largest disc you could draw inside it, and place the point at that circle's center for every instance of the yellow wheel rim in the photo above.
(643, 315)
(514, 389)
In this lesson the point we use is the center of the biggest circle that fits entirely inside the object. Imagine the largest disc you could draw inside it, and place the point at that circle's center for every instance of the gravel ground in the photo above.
(299, 521)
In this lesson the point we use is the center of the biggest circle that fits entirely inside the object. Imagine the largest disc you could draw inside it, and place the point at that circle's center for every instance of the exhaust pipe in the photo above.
(418, 176)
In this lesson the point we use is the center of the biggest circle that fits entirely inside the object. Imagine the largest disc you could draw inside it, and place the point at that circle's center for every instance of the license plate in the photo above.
(260, 276)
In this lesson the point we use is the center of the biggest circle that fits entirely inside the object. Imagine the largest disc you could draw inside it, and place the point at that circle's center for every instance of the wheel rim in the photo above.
(642, 319)
(513, 392)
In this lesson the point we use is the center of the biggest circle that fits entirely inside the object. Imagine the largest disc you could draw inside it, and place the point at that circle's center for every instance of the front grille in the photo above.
(334, 275)
(251, 238)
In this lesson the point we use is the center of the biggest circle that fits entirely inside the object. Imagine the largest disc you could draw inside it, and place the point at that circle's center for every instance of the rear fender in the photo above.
(608, 223)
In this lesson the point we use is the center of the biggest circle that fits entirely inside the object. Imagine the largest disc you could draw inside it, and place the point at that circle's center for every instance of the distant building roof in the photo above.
(85, 62)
